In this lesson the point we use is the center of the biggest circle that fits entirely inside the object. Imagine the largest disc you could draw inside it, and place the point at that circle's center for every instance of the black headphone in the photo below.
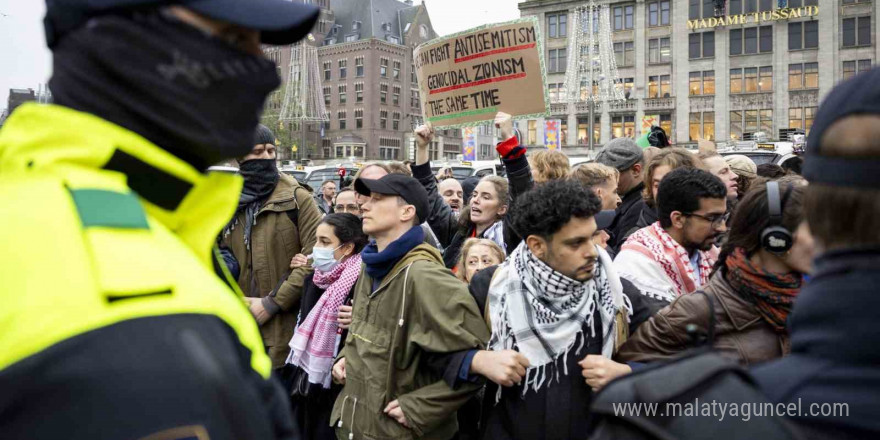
(775, 238)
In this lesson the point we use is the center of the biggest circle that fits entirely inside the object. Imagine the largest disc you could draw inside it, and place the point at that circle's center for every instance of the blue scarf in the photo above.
(380, 263)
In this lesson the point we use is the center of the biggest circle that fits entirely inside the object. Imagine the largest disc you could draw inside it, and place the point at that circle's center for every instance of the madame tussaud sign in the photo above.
(754, 17)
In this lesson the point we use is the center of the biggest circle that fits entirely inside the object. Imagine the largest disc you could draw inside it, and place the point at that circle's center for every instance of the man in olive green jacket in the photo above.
(276, 219)
(408, 310)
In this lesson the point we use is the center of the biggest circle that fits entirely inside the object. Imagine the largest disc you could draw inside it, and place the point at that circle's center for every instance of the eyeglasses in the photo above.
(716, 220)
(351, 209)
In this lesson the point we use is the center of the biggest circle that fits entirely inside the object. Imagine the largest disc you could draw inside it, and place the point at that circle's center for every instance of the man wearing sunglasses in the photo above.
(114, 322)
(675, 255)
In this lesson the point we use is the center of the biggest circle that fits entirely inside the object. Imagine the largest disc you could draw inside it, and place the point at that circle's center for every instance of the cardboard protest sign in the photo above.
(465, 78)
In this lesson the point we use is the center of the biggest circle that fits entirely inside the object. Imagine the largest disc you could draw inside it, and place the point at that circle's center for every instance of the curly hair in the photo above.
(682, 189)
(544, 210)
(550, 164)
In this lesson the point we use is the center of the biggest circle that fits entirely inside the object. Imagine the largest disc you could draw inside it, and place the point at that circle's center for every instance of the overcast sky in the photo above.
(25, 62)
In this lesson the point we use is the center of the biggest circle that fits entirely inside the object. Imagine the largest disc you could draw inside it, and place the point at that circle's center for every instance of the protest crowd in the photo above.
(145, 298)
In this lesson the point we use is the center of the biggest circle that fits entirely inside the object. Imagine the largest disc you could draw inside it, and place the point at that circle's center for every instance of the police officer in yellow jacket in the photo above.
(113, 321)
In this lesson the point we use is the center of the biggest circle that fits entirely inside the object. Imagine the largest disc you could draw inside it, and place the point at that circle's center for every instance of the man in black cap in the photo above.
(626, 157)
(831, 375)
(409, 312)
(113, 322)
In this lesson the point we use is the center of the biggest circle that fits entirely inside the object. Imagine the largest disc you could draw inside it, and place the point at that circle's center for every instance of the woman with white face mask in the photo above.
(324, 317)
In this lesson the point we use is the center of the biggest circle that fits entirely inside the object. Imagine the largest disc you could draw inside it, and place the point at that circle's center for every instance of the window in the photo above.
(327, 71)
(801, 117)
(701, 126)
(340, 115)
(798, 3)
(583, 124)
(666, 122)
(423, 31)
(359, 67)
(342, 93)
(359, 118)
(857, 31)
(626, 85)
(383, 119)
(751, 40)
(342, 68)
(395, 123)
(557, 25)
(414, 99)
(359, 92)
(351, 37)
(383, 93)
(852, 68)
(659, 50)
(395, 73)
(736, 127)
(659, 86)
(701, 45)
(803, 35)
(556, 92)
(736, 81)
(803, 76)
(701, 9)
(750, 121)
(383, 67)
(765, 79)
(327, 95)
(558, 60)
(658, 13)
(623, 17)
(702, 83)
(413, 78)
(623, 126)
(625, 53)
(395, 98)
(751, 79)
(533, 132)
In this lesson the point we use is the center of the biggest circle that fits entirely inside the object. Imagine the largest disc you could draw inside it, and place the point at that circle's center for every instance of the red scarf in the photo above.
(772, 294)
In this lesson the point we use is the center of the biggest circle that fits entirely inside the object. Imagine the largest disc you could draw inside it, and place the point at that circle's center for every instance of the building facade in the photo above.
(706, 73)
(369, 82)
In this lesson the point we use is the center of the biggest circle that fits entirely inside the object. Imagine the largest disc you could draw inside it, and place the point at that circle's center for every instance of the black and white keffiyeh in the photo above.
(541, 313)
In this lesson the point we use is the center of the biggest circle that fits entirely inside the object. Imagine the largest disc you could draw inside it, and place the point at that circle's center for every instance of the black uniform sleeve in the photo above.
(441, 219)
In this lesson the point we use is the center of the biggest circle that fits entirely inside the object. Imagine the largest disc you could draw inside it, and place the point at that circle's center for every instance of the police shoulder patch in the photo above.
(109, 209)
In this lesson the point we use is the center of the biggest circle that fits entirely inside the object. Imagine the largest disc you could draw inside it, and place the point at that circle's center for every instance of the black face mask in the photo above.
(260, 177)
(191, 94)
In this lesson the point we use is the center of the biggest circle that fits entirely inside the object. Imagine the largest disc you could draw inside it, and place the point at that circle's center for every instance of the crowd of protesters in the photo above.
(401, 303)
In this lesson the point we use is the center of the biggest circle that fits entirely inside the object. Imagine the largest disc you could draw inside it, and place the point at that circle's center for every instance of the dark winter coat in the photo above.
(445, 223)
(627, 217)
(834, 355)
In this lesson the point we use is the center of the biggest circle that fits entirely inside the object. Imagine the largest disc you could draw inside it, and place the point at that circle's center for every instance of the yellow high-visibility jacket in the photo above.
(109, 299)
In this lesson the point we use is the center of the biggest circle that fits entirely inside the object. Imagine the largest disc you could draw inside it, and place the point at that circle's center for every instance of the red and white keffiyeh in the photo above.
(654, 243)
(314, 343)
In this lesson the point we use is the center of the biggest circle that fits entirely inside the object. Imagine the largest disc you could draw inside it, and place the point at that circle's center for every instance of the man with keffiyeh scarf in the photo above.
(558, 312)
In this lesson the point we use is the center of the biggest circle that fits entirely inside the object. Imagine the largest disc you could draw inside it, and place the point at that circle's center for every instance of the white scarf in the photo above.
(496, 234)
(541, 313)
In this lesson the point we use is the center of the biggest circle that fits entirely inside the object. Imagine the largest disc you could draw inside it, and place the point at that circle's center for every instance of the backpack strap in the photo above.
(293, 214)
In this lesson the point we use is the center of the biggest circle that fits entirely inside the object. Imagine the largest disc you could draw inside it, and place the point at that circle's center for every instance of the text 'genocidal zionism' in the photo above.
(485, 57)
